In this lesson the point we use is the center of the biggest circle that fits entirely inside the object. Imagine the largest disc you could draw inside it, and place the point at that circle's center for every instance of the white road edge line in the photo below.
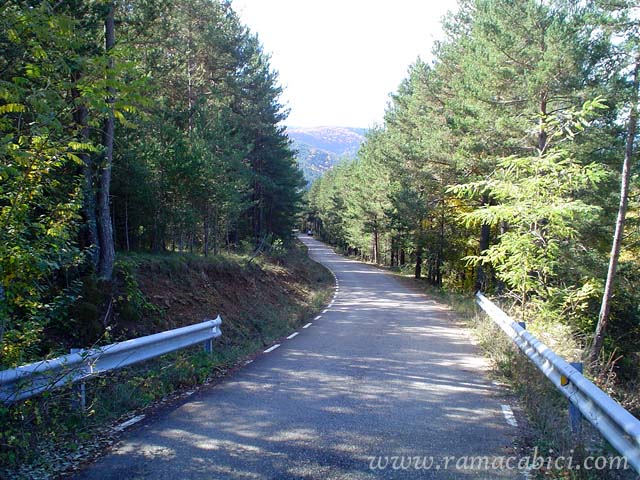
(271, 349)
(248, 362)
(128, 423)
(318, 317)
(508, 415)
(325, 310)
(294, 334)
(308, 325)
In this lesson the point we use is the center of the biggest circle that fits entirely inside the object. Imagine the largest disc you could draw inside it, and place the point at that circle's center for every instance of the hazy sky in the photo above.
(339, 60)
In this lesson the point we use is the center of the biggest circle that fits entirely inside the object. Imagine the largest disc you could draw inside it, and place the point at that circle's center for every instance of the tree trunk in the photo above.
(105, 228)
(418, 271)
(481, 275)
(206, 233)
(215, 233)
(440, 255)
(542, 132)
(375, 246)
(500, 286)
(394, 253)
(126, 224)
(485, 238)
(89, 233)
(603, 317)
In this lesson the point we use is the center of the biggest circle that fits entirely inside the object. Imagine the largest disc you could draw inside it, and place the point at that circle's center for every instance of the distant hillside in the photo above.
(320, 148)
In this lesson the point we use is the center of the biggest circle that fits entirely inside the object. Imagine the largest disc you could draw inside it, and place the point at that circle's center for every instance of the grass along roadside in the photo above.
(260, 301)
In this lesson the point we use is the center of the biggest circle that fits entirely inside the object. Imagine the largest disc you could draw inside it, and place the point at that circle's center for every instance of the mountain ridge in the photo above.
(320, 148)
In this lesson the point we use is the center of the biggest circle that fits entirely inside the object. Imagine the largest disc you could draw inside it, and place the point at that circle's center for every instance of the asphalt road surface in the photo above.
(385, 375)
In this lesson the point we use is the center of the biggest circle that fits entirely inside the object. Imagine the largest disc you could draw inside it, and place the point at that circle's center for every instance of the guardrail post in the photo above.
(575, 417)
(208, 345)
(79, 398)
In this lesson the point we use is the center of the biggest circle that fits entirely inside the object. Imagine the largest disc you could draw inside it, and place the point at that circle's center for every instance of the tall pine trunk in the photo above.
(419, 252)
(105, 228)
(394, 253)
(376, 245)
(603, 317)
(542, 132)
(481, 274)
(89, 231)
(418, 269)
(206, 232)
(126, 224)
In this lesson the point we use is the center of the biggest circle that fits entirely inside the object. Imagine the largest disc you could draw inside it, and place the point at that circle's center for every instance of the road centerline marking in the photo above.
(128, 423)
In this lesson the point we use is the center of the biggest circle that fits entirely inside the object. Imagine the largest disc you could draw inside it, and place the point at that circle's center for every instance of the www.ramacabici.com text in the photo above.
(486, 463)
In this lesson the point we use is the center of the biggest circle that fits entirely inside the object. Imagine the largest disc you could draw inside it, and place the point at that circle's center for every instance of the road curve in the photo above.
(384, 372)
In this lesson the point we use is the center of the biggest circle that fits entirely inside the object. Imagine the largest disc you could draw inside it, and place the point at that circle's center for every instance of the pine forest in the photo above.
(509, 165)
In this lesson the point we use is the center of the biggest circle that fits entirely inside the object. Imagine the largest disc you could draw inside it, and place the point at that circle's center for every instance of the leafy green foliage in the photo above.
(40, 194)
(537, 198)
(200, 162)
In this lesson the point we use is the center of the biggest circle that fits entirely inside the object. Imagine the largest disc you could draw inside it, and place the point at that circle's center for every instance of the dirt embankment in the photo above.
(258, 300)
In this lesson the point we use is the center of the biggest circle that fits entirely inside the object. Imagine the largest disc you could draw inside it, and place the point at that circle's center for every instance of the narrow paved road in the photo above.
(382, 372)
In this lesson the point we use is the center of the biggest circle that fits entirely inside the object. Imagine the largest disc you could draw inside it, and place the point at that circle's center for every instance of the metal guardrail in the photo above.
(615, 423)
(29, 380)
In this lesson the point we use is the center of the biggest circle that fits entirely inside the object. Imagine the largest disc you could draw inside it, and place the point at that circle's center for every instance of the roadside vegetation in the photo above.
(138, 126)
(509, 165)
(260, 299)
(146, 183)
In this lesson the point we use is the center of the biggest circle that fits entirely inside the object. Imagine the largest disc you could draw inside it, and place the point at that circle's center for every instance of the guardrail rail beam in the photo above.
(616, 424)
(29, 380)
